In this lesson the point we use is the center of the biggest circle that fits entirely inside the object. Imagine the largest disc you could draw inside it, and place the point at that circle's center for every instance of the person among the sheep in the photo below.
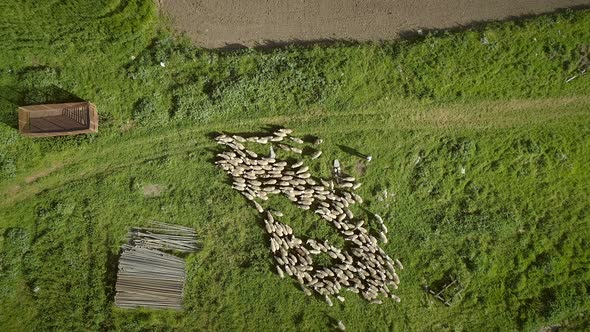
(272, 153)
(336, 170)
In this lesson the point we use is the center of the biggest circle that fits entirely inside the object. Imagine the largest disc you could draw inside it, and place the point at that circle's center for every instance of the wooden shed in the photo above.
(57, 119)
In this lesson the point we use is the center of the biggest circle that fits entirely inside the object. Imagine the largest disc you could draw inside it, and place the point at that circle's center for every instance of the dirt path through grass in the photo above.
(232, 23)
(74, 167)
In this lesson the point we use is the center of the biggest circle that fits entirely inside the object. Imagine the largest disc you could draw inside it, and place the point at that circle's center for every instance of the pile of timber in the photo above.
(165, 236)
(361, 267)
(148, 276)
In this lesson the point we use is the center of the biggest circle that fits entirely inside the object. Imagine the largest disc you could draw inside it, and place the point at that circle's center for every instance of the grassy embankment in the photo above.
(494, 102)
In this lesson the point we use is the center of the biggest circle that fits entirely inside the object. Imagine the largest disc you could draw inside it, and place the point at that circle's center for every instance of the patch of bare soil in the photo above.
(153, 190)
(360, 168)
(43, 173)
(233, 23)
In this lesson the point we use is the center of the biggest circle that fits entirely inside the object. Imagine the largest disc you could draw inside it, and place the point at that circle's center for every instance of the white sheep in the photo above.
(327, 298)
(383, 237)
(399, 264)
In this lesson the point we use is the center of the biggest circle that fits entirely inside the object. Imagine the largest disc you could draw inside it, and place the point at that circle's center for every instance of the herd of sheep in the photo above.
(361, 267)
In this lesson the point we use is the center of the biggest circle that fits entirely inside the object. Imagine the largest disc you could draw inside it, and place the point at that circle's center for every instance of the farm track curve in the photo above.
(83, 164)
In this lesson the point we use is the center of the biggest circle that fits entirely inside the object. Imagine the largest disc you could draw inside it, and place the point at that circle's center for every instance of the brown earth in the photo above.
(153, 190)
(234, 23)
(43, 173)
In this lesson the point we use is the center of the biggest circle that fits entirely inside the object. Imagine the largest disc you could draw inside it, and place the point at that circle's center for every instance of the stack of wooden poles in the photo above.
(160, 236)
(148, 276)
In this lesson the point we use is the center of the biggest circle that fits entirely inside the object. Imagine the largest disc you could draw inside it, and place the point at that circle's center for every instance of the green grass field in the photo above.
(492, 101)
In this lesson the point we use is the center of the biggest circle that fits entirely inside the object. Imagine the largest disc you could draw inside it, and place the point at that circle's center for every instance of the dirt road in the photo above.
(226, 23)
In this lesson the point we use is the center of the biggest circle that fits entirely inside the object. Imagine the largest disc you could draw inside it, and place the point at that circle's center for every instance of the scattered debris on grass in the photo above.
(448, 292)
(583, 63)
